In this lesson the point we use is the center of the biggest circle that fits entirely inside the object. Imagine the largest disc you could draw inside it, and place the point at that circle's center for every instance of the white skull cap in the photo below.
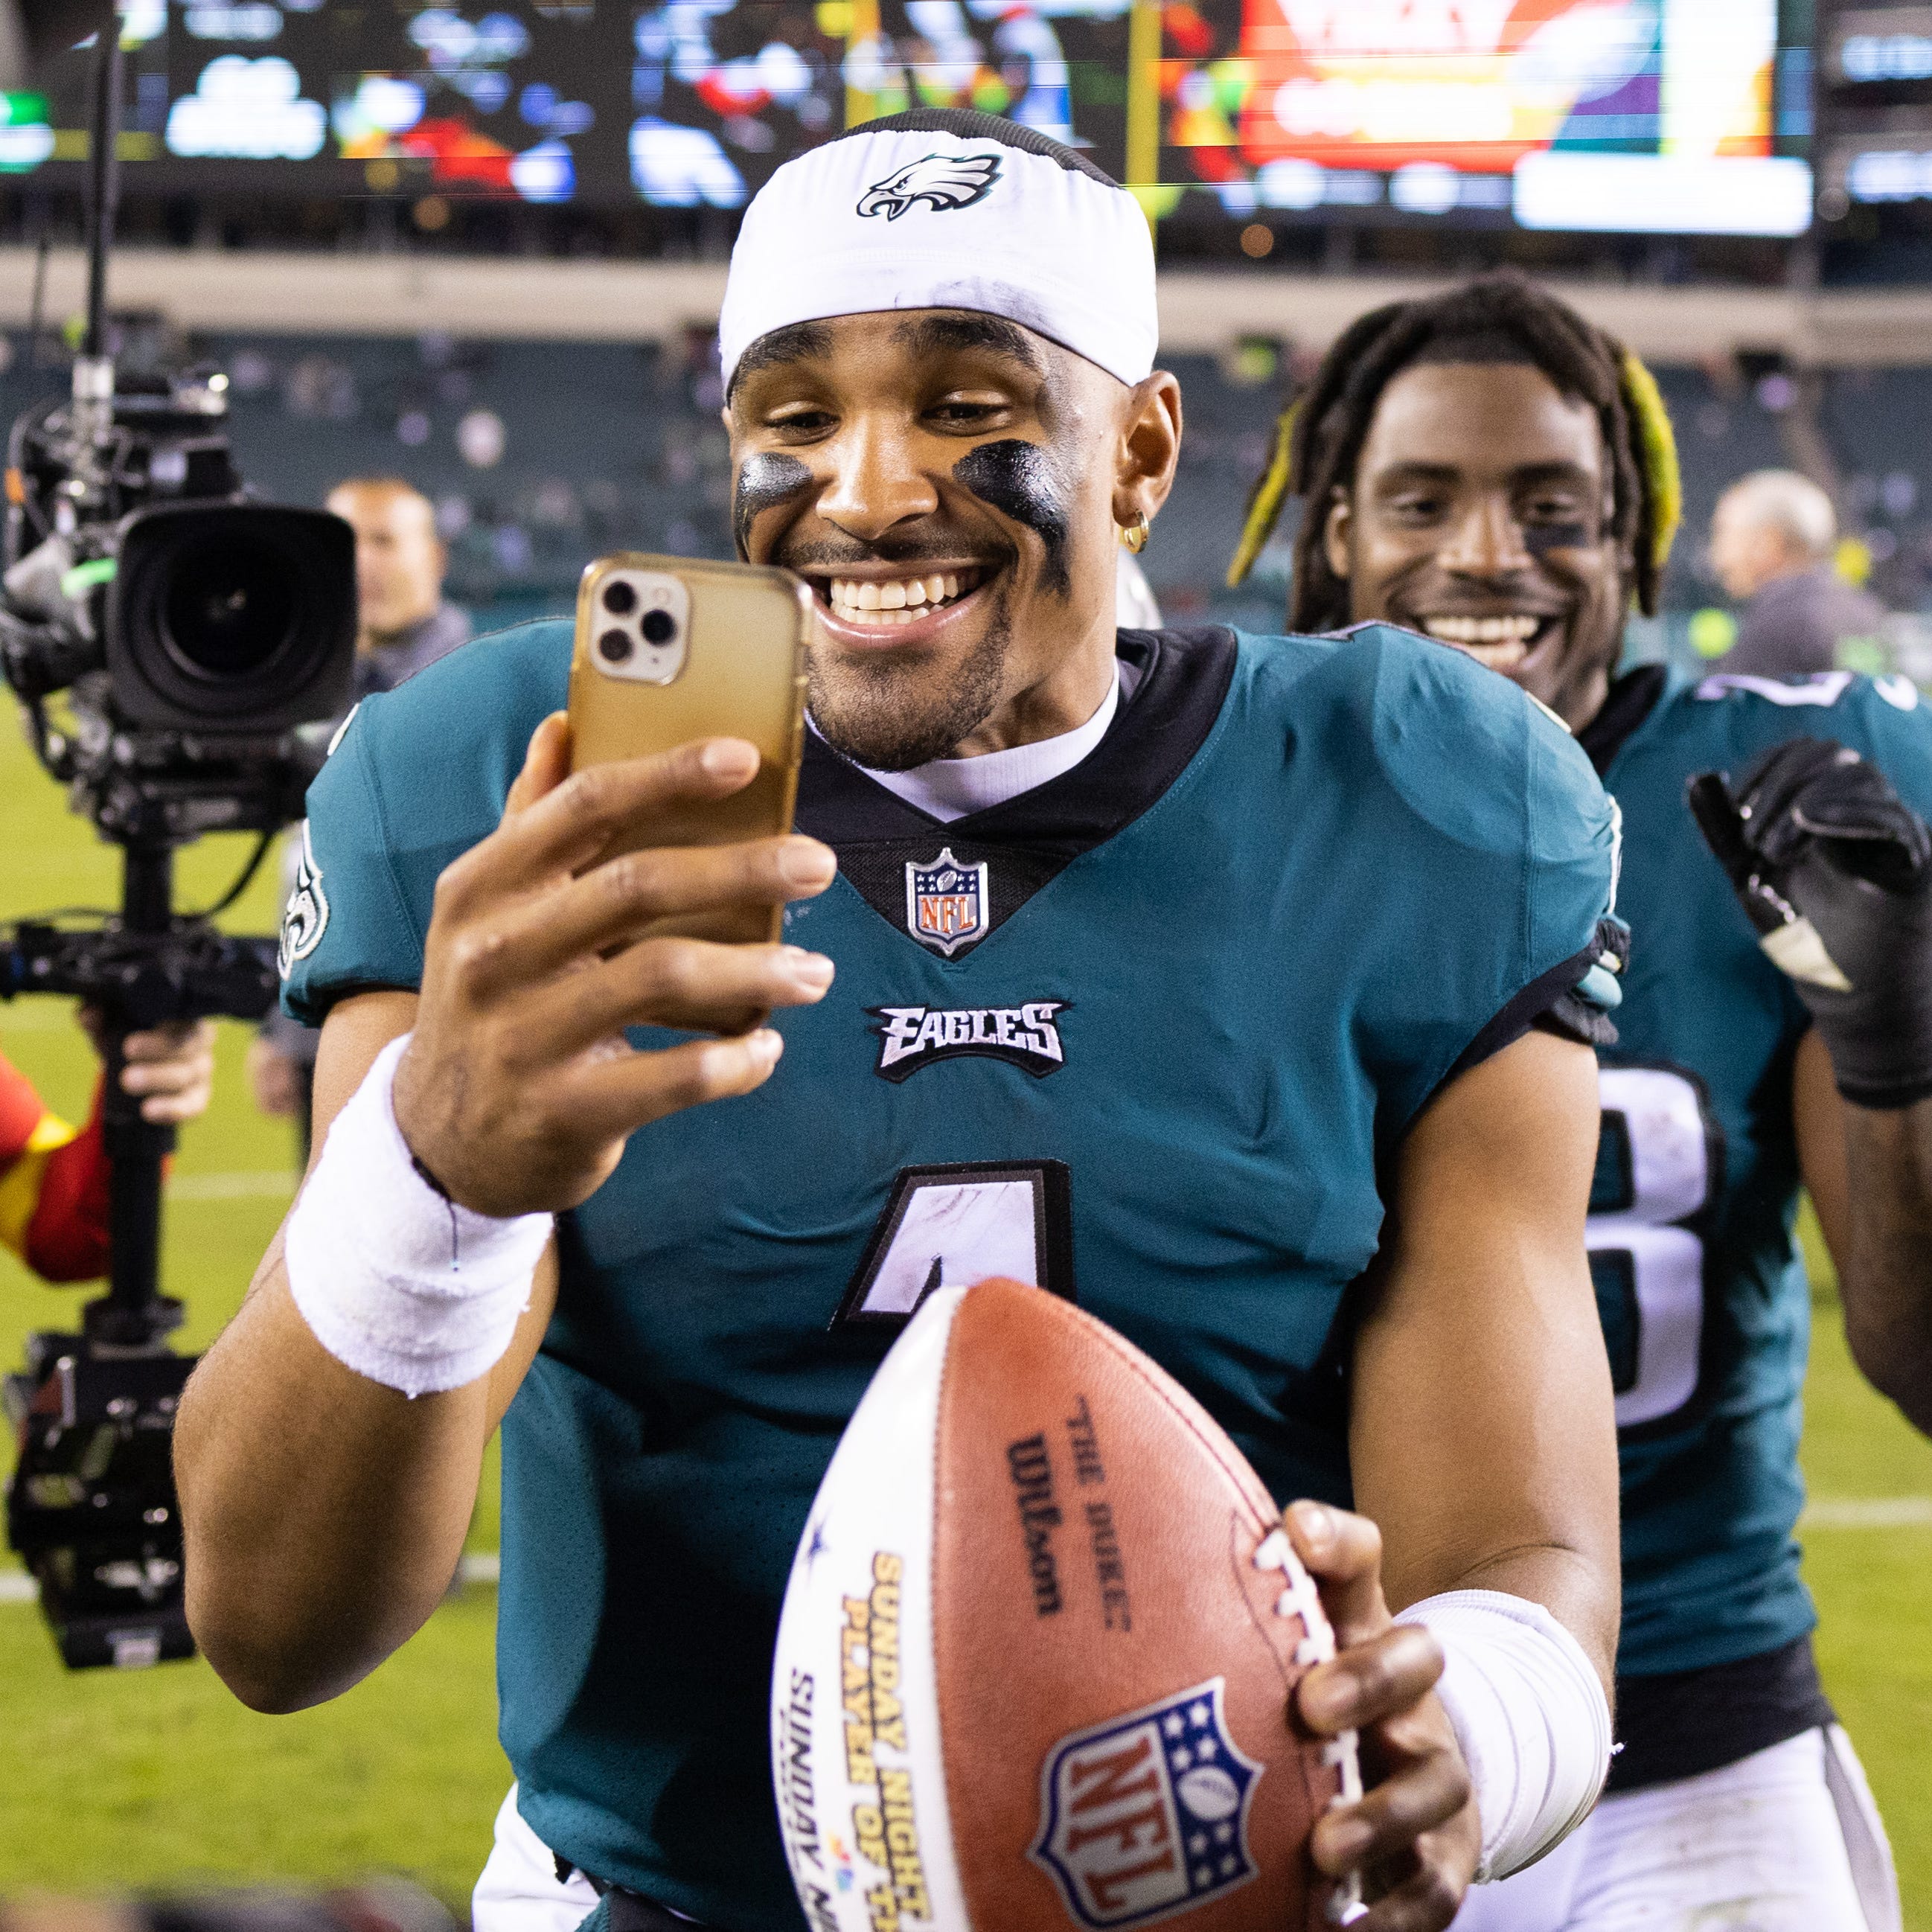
(946, 208)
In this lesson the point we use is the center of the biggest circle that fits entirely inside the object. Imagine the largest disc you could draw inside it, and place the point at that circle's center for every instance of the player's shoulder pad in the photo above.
(1472, 756)
(1886, 719)
(439, 751)
(485, 696)
(416, 776)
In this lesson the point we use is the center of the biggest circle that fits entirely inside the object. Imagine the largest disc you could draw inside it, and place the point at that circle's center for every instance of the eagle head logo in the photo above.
(940, 181)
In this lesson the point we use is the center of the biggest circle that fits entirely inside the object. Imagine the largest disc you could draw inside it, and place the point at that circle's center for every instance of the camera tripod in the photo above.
(92, 1508)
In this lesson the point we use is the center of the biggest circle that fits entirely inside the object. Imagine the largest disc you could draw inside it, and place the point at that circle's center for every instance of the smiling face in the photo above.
(949, 484)
(1481, 514)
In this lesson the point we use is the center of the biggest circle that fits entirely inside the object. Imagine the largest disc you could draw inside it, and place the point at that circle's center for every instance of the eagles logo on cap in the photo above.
(942, 181)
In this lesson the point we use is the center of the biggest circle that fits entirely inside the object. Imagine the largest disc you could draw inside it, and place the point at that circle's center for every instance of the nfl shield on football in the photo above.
(1036, 1652)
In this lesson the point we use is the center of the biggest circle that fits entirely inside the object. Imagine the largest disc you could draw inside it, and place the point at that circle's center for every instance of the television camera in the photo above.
(198, 641)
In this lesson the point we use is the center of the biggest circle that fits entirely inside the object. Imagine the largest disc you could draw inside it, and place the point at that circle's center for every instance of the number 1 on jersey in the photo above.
(949, 1226)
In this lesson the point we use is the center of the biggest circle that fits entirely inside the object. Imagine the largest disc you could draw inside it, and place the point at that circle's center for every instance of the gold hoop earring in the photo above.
(1134, 537)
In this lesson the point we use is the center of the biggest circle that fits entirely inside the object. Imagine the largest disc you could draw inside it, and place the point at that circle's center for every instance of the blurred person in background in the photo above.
(1772, 537)
(54, 1179)
(402, 624)
(368, 1905)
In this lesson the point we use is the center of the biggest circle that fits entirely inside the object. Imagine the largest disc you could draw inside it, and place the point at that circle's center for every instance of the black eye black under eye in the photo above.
(1021, 480)
(765, 478)
(1551, 535)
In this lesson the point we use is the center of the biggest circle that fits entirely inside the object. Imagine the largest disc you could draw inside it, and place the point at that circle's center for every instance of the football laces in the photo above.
(1303, 1600)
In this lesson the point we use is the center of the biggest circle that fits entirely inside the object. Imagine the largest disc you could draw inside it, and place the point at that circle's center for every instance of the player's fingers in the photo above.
(1343, 1552)
(1366, 1682)
(546, 764)
(1718, 819)
(694, 985)
(615, 1094)
(588, 815)
(1426, 1791)
(612, 903)
(1772, 784)
(1426, 1900)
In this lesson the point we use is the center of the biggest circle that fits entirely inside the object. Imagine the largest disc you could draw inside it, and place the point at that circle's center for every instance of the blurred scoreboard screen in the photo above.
(1642, 114)
(1875, 107)
(688, 104)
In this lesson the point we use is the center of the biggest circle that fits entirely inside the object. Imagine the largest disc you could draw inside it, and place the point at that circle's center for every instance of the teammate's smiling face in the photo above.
(1481, 514)
(948, 484)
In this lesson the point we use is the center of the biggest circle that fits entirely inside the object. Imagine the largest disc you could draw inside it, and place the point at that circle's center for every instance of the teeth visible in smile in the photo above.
(1515, 630)
(898, 600)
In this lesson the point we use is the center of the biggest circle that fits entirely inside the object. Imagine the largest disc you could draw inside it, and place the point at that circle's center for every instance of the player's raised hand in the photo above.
(519, 1090)
(1414, 1840)
(1835, 872)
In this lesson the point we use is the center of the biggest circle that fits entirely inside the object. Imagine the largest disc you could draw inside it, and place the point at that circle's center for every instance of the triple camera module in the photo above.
(643, 620)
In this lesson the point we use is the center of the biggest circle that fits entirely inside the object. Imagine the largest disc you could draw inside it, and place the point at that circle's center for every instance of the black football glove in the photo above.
(1835, 871)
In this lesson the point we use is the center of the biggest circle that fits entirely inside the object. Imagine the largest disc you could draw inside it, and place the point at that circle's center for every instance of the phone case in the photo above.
(742, 676)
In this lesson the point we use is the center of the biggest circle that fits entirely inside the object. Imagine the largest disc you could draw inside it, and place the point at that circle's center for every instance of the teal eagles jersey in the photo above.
(1705, 1303)
(1145, 1035)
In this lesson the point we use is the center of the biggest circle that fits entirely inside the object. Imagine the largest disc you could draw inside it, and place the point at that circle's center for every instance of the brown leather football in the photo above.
(1037, 1650)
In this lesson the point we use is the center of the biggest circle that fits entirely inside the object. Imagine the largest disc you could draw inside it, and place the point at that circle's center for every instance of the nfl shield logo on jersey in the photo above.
(946, 902)
(1146, 1815)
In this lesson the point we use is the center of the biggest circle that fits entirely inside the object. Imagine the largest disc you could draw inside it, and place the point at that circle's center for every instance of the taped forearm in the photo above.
(1530, 1714)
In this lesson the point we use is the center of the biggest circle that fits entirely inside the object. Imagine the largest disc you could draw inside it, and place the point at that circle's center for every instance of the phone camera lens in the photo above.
(659, 627)
(614, 646)
(620, 598)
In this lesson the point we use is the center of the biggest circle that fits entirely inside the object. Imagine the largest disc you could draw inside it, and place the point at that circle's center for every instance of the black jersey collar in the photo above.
(1027, 841)
(1630, 700)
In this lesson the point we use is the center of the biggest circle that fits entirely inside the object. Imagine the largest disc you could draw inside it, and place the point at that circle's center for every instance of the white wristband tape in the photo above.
(396, 1282)
(1530, 1714)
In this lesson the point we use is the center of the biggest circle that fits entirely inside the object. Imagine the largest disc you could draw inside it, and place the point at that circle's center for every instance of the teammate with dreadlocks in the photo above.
(1486, 467)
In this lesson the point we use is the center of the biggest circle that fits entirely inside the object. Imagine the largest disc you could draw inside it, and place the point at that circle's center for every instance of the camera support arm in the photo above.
(146, 970)
(134, 1312)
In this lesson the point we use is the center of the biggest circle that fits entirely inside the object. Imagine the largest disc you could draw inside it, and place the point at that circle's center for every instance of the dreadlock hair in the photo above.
(1495, 318)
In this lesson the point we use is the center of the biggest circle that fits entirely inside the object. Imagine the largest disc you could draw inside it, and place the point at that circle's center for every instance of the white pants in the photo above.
(1786, 1839)
(519, 1890)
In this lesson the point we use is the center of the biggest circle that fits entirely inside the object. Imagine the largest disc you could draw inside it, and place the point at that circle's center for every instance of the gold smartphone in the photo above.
(670, 648)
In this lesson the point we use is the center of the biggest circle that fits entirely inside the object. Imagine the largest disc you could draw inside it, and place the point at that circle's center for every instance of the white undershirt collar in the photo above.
(950, 788)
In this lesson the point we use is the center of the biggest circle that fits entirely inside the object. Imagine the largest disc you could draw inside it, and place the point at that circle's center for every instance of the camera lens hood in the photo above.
(231, 617)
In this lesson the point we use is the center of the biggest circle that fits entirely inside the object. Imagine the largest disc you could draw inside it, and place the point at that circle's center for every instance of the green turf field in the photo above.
(153, 1778)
